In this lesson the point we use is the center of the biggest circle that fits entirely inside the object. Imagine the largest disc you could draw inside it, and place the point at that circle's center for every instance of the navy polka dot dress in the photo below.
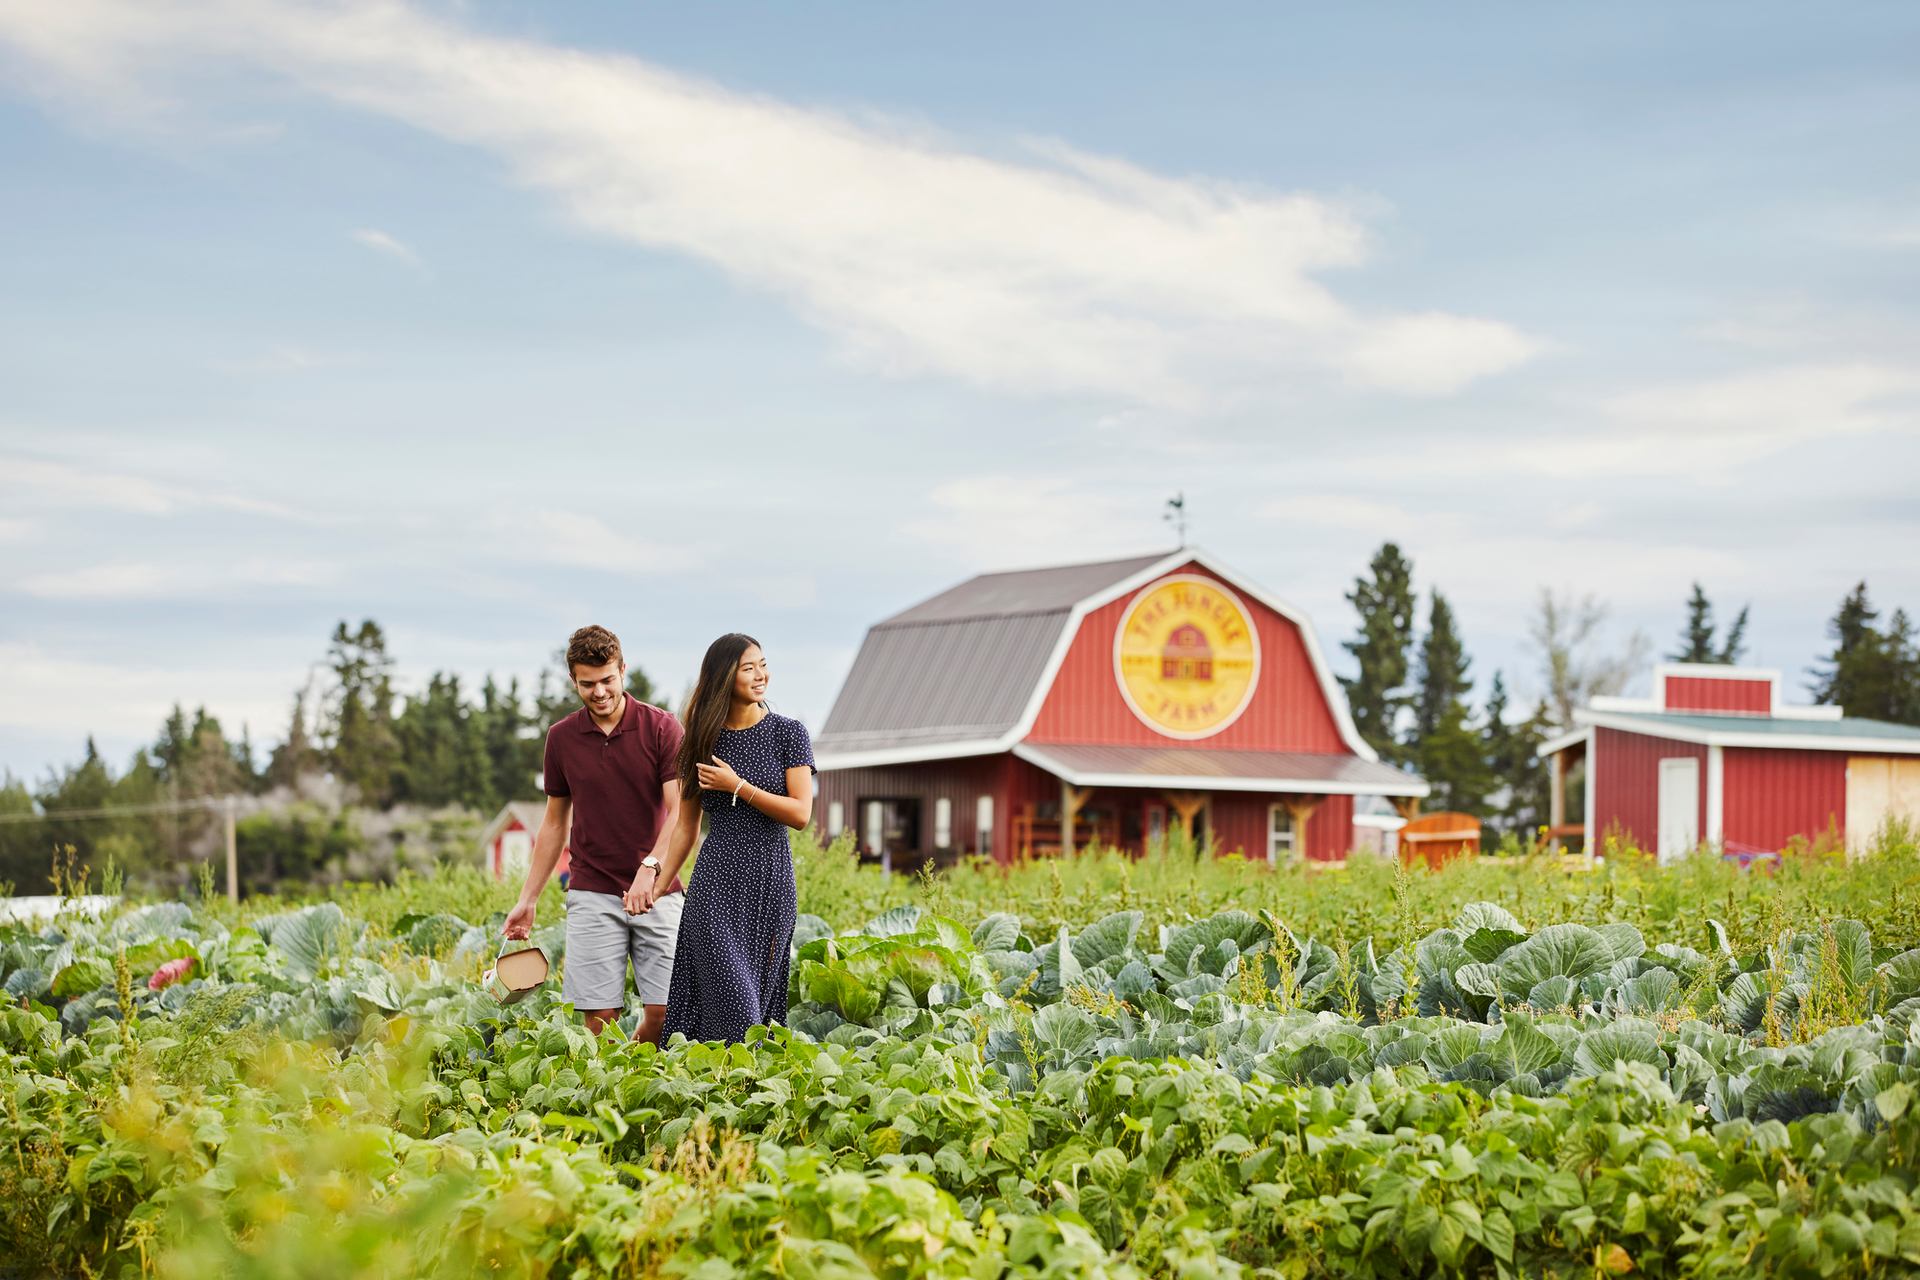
(730, 965)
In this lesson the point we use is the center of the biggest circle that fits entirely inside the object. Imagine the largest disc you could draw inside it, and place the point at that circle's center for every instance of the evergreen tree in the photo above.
(1697, 640)
(1443, 683)
(513, 745)
(24, 852)
(1903, 705)
(1734, 645)
(363, 749)
(297, 757)
(1863, 675)
(442, 756)
(1385, 604)
(1519, 801)
(1441, 745)
(87, 785)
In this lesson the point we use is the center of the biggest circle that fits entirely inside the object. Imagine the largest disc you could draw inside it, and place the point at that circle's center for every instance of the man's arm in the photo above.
(547, 844)
(677, 835)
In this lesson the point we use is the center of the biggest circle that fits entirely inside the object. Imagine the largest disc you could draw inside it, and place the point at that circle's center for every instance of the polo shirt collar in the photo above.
(629, 718)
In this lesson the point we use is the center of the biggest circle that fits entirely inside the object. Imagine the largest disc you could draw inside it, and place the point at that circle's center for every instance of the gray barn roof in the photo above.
(962, 666)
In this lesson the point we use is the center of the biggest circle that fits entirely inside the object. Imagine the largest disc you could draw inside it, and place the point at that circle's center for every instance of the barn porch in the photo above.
(1275, 805)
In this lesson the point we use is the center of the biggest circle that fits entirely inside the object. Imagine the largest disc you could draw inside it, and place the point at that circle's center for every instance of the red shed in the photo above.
(1715, 757)
(1037, 711)
(507, 843)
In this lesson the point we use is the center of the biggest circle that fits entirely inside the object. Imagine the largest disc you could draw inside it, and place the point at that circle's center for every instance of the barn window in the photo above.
(943, 823)
(1279, 833)
(836, 818)
(983, 824)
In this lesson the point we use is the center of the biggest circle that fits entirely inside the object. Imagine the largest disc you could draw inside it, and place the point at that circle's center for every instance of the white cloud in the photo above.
(1017, 521)
(380, 242)
(287, 358)
(1344, 511)
(574, 540)
(1064, 272)
(13, 530)
(119, 697)
(68, 484)
(151, 580)
(1707, 429)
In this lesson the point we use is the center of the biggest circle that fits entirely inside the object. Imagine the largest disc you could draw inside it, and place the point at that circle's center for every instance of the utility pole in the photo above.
(233, 853)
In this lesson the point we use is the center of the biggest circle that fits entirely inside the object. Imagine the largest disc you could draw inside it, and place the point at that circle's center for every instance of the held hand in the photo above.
(519, 921)
(639, 897)
(718, 776)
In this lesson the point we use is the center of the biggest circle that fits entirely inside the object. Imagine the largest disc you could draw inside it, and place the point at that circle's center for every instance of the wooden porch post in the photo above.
(1072, 800)
(1186, 806)
(1300, 809)
(1407, 807)
(1556, 799)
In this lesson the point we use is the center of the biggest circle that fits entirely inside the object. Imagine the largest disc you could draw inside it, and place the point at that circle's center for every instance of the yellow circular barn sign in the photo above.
(1187, 656)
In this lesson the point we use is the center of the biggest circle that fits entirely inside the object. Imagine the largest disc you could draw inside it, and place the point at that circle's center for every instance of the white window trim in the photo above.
(1284, 836)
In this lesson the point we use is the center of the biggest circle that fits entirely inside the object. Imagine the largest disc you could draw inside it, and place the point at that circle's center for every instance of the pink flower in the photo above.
(170, 972)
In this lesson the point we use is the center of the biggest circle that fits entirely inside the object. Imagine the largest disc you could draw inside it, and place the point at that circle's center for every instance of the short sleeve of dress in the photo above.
(796, 747)
(553, 775)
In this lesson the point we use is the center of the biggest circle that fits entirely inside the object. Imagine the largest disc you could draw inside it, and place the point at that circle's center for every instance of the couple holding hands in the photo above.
(633, 782)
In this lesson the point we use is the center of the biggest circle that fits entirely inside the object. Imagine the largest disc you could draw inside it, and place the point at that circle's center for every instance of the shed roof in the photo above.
(1849, 733)
(1204, 769)
(529, 813)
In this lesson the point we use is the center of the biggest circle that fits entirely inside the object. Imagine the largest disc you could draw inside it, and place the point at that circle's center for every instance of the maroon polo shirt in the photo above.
(617, 782)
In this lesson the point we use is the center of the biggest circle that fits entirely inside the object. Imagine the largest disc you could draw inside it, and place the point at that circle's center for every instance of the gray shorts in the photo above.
(602, 939)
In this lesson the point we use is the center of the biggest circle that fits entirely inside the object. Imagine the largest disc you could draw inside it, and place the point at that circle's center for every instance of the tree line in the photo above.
(352, 742)
(1411, 696)
(355, 747)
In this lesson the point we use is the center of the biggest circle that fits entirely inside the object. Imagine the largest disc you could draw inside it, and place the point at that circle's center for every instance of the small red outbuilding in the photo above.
(507, 843)
(1715, 756)
(1043, 710)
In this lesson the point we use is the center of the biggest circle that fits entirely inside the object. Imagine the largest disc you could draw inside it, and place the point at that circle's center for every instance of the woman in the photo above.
(752, 771)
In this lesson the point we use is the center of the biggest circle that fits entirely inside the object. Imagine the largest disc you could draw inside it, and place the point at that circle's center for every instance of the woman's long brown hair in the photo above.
(707, 709)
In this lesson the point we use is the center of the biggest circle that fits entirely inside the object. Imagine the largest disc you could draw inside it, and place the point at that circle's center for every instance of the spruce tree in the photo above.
(1734, 645)
(1443, 682)
(1696, 638)
(1697, 641)
(1441, 746)
(1519, 802)
(1903, 656)
(363, 750)
(296, 757)
(1385, 604)
(1856, 676)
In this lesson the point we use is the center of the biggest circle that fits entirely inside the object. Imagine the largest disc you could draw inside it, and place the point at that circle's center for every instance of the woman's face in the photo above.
(750, 677)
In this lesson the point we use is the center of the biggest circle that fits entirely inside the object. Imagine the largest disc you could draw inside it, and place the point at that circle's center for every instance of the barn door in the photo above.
(1679, 807)
(1879, 788)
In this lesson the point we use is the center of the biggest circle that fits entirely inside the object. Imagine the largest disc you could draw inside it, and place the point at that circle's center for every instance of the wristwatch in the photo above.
(651, 863)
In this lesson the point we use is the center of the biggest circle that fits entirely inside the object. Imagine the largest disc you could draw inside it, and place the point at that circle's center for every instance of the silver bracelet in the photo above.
(736, 791)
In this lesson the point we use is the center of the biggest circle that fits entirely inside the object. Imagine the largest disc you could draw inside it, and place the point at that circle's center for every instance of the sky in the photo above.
(486, 320)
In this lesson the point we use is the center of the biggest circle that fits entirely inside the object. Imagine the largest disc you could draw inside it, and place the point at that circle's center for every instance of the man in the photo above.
(610, 771)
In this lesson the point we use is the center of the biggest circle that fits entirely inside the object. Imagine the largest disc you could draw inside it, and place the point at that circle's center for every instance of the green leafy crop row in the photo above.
(1159, 1068)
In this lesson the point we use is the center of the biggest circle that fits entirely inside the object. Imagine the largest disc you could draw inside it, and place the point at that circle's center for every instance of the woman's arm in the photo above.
(672, 850)
(795, 809)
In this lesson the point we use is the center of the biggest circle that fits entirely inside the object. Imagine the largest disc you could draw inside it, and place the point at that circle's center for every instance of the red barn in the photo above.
(1039, 711)
(1715, 757)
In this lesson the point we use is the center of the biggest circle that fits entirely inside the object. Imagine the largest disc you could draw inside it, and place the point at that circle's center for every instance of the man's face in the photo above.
(599, 687)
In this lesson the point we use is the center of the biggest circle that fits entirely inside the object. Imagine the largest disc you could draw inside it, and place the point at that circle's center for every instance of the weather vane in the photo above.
(1176, 515)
